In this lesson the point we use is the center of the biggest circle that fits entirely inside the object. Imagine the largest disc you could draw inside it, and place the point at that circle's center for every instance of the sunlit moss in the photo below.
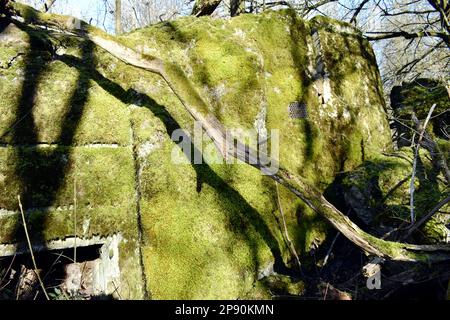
(209, 230)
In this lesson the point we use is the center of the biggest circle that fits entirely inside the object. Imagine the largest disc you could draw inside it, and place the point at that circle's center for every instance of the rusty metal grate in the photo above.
(298, 110)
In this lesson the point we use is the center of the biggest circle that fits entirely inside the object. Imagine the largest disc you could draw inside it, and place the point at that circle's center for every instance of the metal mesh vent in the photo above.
(298, 110)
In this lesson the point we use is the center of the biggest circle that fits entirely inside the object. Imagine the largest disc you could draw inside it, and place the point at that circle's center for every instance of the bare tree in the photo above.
(139, 14)
(236, 7)
(410, 37)
(118, 17)
(47, 5)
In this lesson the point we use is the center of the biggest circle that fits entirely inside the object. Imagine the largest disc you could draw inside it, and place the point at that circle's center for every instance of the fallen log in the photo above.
(198, 109)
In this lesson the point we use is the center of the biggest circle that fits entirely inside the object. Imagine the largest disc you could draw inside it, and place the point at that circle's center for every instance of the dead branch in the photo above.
(358, 11)
(198, 109)
(437, 156)
(327, 256)
(427, 217)
(205, 7)
(47, 5)
(407, 35)
(416, 156)
(31, 250)
(286, 232)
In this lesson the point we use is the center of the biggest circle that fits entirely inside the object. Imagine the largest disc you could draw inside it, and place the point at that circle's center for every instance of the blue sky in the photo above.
(87, 10)
(93, 10)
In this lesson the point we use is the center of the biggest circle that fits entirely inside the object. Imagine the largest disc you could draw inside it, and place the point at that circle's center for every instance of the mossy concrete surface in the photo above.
(375, 192)
(418, 97)
(74, 119)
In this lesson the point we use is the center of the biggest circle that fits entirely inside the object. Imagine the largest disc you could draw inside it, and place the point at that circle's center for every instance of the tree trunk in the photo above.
(118, 17)
(205, 7)
(198, 109)
(47, 5)
(237, 7)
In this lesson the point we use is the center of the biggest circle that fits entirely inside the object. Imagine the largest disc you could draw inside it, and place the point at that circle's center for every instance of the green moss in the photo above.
(7, 56)
(63, 101)
(218, 242)
(419, 96)
(54, 224)
(311, 231)
(435, 230)
(209, 230)
(384, 185)
(444, 145)
(284, 285)
(103, 176)
(106, 203)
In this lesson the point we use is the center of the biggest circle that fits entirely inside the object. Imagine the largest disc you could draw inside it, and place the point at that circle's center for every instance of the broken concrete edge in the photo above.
(7, 250)
(106, 275)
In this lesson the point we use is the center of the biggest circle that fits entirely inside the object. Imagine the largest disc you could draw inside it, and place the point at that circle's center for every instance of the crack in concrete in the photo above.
(11, 61)
(137, 180)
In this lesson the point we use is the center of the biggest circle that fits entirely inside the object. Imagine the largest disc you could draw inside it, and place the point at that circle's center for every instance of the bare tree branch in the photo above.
(407, 35)
(358, 10)
(205, 7)
(416, 156)
(47, 5)
(118, 17)
(427, 217)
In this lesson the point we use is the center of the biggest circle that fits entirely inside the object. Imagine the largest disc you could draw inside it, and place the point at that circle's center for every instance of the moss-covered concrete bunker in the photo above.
(417, 97)
(86, 138)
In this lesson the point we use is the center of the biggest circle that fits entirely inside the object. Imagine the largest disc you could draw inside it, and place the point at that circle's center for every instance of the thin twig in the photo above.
(326, 292)
(31, 249)
(416, 155)
(9, 268)
(291, 245)
(116, 290)
(75, 219)
(62, 255)
(5, 285)
(51, 267)
(330, 249)
(48, 4)
(357, 12)
(427, 216)
(6, 273)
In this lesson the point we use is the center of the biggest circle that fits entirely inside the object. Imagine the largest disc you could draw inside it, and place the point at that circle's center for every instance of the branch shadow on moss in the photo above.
(42, 169)
(243, 215)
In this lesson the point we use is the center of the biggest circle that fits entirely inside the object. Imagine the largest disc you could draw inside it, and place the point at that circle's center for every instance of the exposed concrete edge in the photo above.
(56, 145)
(7, 250)
(64, 208)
